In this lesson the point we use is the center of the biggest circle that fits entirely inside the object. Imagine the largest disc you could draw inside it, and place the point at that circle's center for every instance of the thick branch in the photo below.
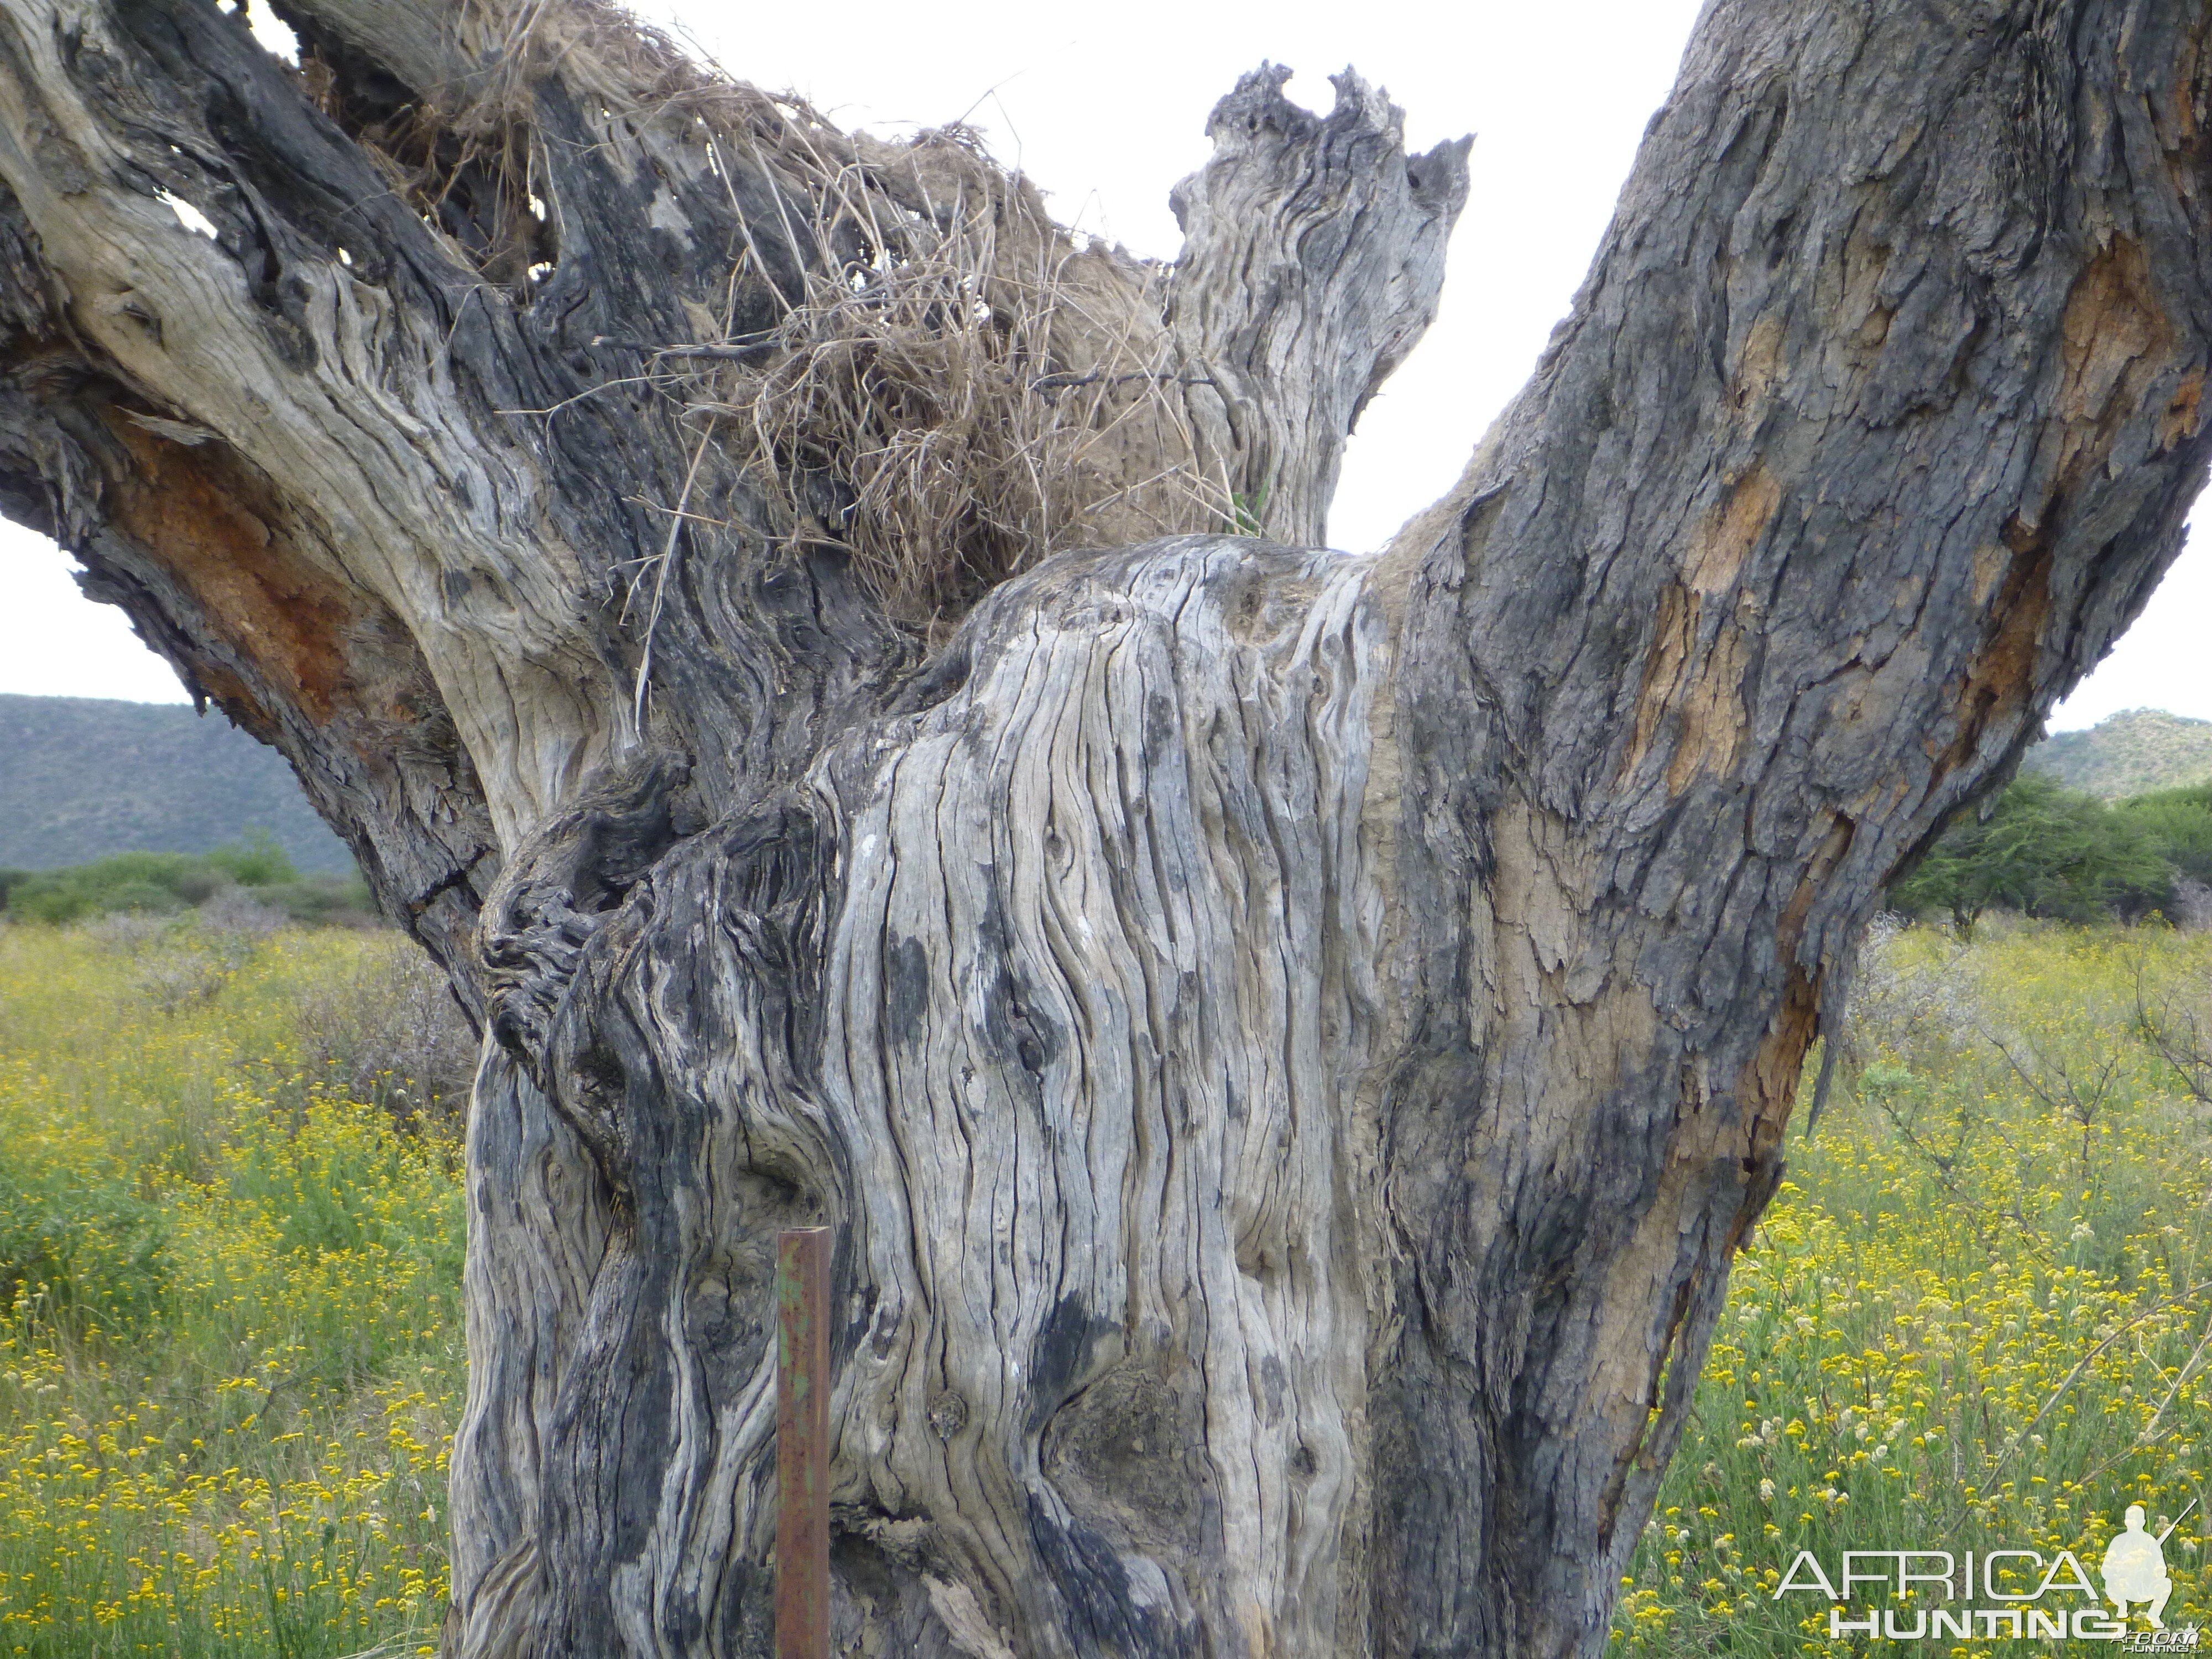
(1313, 255)
(1876, 420)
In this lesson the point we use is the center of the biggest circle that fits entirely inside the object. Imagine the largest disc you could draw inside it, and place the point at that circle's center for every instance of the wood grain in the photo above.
(1288, 1043)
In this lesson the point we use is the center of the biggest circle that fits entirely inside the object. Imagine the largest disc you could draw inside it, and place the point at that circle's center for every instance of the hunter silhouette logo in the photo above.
(2001, 1595)
(2135, 1568)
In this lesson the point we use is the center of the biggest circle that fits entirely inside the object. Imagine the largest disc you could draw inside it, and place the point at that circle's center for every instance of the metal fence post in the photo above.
(802, 1443)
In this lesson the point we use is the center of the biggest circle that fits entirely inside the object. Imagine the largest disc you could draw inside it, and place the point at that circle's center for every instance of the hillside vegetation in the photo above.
(84, 778)
(2127, 754)
(246, 887)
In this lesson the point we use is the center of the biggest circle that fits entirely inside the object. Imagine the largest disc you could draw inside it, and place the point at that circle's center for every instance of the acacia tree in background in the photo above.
(1288, 1043)
(2047, 850)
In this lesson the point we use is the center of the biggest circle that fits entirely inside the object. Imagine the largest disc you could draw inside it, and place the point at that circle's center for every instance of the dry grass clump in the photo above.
(463, 156)
(976, 390)
(952, 386)
(385, 1031)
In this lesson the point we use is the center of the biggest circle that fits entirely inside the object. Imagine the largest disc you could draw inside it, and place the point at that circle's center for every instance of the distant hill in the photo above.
(2128, 753)
(81, 778)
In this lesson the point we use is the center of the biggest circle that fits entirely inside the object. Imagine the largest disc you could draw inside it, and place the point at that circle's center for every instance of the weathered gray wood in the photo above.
(1288, 1043)
(1312, 259)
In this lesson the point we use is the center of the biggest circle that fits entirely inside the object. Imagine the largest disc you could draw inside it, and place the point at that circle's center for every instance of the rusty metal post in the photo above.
(802, 1443)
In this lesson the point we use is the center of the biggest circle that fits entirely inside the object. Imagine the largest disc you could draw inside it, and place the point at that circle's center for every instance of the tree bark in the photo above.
(1288, 1043)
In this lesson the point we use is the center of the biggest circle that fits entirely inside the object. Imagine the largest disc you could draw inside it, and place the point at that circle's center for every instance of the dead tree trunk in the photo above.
(1288, 1043)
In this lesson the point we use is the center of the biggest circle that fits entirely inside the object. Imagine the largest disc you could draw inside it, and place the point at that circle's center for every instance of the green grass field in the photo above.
(233, 1361)
(1977, 1316)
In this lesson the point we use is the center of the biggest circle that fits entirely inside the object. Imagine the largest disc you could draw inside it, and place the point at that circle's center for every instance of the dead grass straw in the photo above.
(961, 387)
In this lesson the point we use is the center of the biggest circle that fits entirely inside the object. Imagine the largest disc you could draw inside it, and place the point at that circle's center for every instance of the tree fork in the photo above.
(1287, 1043)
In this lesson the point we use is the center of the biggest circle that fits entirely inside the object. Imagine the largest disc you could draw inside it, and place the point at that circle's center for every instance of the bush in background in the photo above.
(2180, 821)
(385, 1029)
(168, 883)
(2055, 853)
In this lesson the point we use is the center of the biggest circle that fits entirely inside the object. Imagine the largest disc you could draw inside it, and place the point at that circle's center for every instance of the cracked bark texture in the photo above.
(1289, 1043)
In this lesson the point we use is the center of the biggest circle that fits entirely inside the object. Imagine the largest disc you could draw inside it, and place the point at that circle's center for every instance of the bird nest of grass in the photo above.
(953, 387)
(979, 389)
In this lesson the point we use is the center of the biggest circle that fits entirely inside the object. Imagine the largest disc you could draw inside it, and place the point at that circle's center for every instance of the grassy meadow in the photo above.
(230, 1249)
(1979, 1313)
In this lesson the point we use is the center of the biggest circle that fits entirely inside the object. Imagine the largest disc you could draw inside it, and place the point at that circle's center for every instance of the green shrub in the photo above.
(2043, 850)
(153, 882)
(259, 863)
(321, 899)
(86, 1255)
(164, 884)
(2180, 821)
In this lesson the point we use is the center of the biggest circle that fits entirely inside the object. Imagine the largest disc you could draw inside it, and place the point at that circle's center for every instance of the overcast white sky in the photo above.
(1106, 107)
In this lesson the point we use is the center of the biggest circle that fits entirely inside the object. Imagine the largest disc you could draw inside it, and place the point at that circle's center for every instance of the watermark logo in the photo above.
(1948, 1598)
(2135, 1569)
